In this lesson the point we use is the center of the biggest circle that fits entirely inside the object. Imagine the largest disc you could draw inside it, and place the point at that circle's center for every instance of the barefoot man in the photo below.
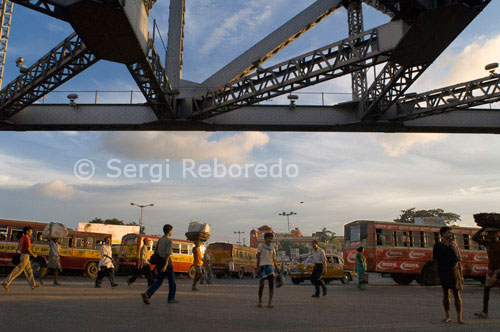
(492, 245)
(266, 262)
(446, 257)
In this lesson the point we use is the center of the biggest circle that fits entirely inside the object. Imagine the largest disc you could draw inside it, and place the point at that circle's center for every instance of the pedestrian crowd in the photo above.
(446, 260)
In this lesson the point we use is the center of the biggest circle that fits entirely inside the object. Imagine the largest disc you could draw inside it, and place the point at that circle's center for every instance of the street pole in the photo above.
(140, 221)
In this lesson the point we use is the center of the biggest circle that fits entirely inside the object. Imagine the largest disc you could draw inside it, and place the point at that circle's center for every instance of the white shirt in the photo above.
(231, 266)
(319, 256)
(106, 257)
(267, 254)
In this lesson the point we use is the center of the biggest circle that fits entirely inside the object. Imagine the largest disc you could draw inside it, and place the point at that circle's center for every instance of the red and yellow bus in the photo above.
(78, 251)
(182, 257)
(244, 258)
(405, 250)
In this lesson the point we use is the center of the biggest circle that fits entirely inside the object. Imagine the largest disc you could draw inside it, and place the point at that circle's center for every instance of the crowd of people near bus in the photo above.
(446, 260)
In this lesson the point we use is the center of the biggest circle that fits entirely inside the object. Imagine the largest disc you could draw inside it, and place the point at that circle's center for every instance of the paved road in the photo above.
(230, 305)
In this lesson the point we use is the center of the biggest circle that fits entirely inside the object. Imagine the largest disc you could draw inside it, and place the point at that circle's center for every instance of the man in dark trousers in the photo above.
(319, 268)
(143, 266)
(164, 268)
(492, 245)
(447, 262)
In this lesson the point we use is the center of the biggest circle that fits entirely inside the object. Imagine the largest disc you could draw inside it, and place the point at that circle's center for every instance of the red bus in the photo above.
(244, 258)
(182, 257)
(78, 251)
(405, 250)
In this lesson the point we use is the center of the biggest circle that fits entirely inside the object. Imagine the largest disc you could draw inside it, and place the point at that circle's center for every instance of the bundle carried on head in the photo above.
(487, 220)
(54, 231)
(198, 232)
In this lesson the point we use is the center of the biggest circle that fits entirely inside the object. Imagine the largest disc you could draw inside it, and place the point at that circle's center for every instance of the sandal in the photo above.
(481, 314)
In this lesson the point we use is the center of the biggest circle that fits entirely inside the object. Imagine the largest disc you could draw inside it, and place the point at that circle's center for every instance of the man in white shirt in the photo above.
(266, 263)
(106, 265)
(319, 268)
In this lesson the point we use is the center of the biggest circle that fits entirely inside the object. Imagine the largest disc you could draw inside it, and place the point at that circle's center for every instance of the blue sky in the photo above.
(342, 177)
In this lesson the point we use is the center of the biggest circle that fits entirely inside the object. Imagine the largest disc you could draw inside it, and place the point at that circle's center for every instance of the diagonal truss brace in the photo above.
(46, 7)
(62, 63)
(6, 9)
(461, 96)
(391, 83)
(334, 60)
(153, 82)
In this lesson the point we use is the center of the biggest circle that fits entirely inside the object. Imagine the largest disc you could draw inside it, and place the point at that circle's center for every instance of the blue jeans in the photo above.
(169, 273)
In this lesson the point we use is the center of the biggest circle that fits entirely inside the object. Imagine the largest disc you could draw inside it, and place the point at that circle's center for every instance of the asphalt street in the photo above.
(230, 305)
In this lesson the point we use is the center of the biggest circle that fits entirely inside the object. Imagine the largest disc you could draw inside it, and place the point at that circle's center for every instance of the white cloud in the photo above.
(399, 144)
(461, 64)
(176, 146)
(54, 189)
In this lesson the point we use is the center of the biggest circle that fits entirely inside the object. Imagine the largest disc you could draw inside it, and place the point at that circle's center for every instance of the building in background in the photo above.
(116, 231)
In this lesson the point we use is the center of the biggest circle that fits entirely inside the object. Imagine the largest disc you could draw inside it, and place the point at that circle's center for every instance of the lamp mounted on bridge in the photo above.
(293, 99)
(19, 64)
(72, 98)
(491, 68)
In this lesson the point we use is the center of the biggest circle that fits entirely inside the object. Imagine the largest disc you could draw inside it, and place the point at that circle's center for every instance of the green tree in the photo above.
(409, 215)
(112, 221)
(325, 235)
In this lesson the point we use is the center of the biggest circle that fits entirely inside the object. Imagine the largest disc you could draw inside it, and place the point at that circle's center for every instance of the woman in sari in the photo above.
(361, 268)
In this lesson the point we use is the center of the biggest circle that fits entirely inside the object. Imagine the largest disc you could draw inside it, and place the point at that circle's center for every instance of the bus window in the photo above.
(176, 248)
(415, 239)
(80, 242)
(16, 234)
(184, 249)
(39, 236)
(423, 240)
(401, 239)
(67, 242)
(90, 242)
(466, 241)
(384, 237)
(355, 234)
(4, 232)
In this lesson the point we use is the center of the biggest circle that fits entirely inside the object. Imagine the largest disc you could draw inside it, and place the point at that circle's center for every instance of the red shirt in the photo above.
(24, 244)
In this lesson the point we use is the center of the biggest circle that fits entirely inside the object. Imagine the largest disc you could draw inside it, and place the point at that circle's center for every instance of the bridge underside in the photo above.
(418, 32)
(338, 118)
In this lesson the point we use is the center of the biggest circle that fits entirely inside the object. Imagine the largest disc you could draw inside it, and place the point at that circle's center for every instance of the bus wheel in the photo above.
(345, 278)
(428, 276)
(241, 273)
(192, 272)
(91, 270)
(402, 279)
(296, 281)
(38, 267)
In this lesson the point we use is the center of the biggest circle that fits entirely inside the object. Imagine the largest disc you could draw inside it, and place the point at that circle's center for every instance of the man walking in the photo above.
(164, 267)
(319, 268)
(24, 265)
(106, 266)
(447, 262)
(54, 264)
(492, 245)
(143, 266)
(198, 265)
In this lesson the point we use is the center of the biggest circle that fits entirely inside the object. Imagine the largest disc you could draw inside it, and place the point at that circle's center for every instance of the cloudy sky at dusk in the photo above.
(342, 176)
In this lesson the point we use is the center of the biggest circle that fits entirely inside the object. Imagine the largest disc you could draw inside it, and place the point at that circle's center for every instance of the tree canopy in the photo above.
(409, 215)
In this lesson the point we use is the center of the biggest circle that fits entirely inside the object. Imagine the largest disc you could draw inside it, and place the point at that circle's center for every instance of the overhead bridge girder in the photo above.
(65, 61)
(339, 118)
(474, 93)
(337, 59)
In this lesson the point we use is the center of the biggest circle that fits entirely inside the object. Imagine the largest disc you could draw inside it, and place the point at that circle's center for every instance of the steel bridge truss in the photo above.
(226, 100)
(65, 61)
(335, 60)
